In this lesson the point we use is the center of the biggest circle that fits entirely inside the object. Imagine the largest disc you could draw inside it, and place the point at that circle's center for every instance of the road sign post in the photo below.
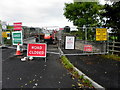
(37, 50)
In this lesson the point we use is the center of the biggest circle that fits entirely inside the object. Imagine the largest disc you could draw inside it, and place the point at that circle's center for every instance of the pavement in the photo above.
(105, 72)
(34, 74)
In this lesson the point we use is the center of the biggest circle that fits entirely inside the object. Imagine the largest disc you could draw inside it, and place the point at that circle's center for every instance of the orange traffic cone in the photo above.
(18, 50)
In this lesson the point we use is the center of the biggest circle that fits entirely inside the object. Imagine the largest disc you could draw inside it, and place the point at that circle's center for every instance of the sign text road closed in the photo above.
(37, 50)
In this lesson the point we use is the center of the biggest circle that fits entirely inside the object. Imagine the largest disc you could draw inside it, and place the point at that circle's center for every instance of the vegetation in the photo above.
(9, 27)
(92, 14)
(8, 41)
(85, 82)
(66, 63)
(112, 15)
(84, 14)
(114, 57)
(81, 77)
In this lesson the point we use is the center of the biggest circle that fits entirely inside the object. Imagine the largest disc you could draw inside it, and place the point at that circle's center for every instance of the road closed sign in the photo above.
(88, 48)
(37, 50)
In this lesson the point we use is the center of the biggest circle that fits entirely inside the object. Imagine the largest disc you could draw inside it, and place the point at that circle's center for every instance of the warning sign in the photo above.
(18, 26)
(101, 34)
(37, 50)
(87, 47)
(70, 42)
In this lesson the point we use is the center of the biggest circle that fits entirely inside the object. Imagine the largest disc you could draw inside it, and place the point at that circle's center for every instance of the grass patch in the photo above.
(66, 63)
(114, 57)
(85, 83)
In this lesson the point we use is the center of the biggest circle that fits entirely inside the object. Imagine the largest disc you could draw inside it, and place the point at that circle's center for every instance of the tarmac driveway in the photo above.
(105, 72)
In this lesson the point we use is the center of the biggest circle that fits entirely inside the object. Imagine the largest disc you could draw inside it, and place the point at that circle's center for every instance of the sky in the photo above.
(34, 13)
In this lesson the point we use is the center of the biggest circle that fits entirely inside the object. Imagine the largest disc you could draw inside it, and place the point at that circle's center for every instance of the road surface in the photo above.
(36, 73)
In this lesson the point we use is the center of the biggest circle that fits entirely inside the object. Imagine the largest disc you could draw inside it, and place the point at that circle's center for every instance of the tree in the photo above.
(113, 17)
(83, 13)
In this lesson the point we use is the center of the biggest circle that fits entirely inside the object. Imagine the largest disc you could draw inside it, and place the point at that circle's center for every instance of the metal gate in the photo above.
(85, 45)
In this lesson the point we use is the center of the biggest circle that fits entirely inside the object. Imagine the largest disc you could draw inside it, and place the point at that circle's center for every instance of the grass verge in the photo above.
(114, 57)
(82, 82)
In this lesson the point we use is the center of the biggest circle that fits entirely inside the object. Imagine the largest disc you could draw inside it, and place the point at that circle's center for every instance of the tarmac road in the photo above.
(36, 73)
(51, 74)
(7, 53)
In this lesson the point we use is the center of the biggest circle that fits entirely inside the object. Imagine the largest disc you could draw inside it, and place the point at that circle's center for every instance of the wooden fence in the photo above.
(114, 47)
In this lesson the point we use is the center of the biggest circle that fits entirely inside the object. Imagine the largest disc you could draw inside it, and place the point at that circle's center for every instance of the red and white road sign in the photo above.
(18, 26)
(37, 50)
(87, 47)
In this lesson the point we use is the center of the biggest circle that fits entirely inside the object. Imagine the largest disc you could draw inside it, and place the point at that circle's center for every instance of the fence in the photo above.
(114, 47)
(80, 46)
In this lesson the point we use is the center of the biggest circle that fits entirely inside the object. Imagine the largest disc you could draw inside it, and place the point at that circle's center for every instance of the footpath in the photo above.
(105, 72)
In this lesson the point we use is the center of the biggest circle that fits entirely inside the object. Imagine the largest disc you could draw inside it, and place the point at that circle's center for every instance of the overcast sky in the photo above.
(36, 13)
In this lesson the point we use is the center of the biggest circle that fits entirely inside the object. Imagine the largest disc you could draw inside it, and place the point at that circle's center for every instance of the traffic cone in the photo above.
(18, 50)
